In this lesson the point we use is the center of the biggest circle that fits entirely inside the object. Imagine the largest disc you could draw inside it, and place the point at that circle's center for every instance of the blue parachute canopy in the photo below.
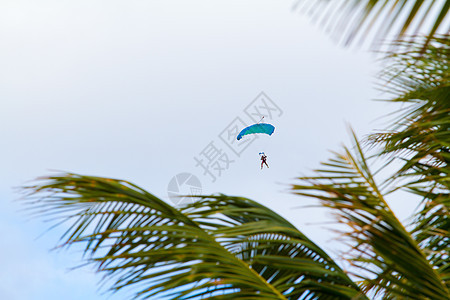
(256, 128)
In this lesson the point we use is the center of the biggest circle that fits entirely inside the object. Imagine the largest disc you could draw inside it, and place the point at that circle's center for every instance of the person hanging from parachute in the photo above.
(263, 159)
(258, 128)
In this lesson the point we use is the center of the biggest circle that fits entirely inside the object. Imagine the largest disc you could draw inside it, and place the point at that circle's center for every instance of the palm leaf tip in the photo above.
(354, 22)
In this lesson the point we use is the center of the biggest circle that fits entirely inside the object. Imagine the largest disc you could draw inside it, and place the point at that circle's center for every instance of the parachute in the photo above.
(256, 128)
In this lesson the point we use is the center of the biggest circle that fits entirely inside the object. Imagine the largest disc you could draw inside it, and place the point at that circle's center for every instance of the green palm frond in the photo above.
(432, 230)
(421, 132)
(420, 137)
(431, 224)
(394, 263)
(274, 248)
(348, 20)
(141, 241)
(218, 248)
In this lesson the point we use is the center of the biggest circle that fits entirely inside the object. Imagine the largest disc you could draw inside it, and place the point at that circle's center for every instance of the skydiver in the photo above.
(263, 160)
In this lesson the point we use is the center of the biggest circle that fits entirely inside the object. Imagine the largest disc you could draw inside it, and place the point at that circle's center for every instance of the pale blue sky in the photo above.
(136, 89)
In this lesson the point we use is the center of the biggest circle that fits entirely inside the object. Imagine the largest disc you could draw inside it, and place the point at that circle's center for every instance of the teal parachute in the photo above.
(256, 128)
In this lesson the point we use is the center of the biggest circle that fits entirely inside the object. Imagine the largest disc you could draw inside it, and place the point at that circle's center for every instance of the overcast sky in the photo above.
(138, 89)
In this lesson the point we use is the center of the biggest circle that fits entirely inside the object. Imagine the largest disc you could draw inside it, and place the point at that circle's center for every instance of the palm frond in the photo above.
(392, 261)
(274, 248)
(420, 134)
(431, 229)
(139, 240)
(420, 137)
(350, 20)
(220, 247)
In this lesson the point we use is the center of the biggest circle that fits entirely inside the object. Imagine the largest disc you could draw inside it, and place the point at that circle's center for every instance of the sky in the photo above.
(138, 90)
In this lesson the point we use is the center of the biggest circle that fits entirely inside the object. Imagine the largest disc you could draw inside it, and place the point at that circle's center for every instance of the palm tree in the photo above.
(224, 247)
